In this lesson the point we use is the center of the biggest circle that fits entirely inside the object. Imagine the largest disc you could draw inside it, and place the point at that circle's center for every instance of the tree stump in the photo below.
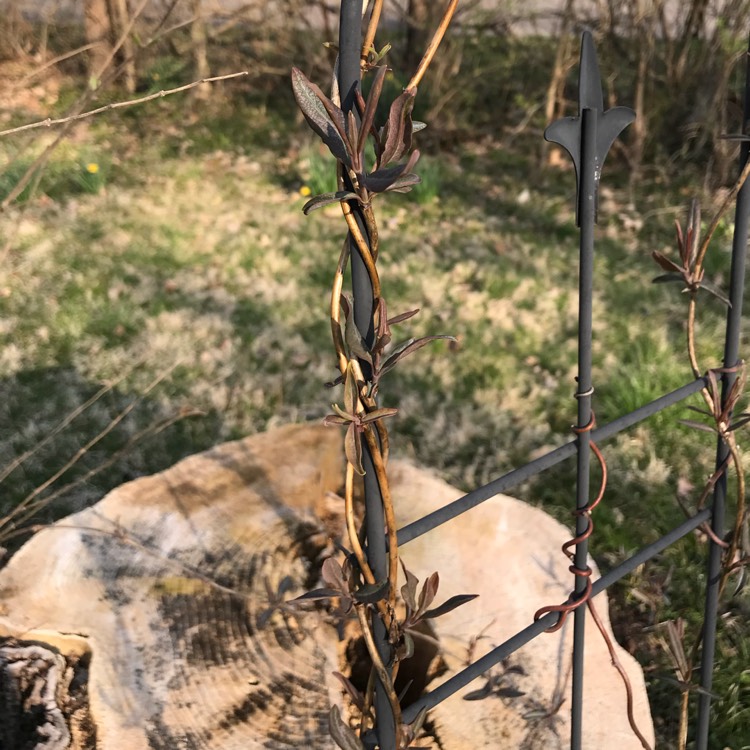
(151, 621)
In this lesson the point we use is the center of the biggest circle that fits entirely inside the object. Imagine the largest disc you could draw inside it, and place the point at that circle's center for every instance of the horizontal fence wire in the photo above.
(547, 461)
(504, 650)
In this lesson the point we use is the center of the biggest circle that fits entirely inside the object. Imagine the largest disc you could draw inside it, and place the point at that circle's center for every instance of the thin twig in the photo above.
(78, 455)
(432, 48)
(390, 516)
(41, 161)
(123, 536)
(730, 196)
(49, 122)
(380, 668)
(150, 431)
(338, 285)
(351, 527)
(50, 63)
(734, 544)
(372, 28)
(363, 248)
(623, 674)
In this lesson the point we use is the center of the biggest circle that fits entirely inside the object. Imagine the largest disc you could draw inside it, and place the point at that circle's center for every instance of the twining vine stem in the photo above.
(363, 353)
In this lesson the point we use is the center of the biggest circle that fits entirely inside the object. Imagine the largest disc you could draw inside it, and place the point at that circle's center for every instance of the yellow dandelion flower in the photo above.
(305, 191)
(92, 167)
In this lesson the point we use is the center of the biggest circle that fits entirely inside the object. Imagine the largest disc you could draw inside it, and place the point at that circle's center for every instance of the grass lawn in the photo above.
(182, 270)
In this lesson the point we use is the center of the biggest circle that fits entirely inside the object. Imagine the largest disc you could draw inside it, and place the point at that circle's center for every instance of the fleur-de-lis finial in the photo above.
(594, 140)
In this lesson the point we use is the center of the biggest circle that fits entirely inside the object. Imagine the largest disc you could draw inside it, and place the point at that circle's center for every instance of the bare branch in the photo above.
(434, 44)
(78, 455)
(50, 63)
(49, 122)
(60, 426)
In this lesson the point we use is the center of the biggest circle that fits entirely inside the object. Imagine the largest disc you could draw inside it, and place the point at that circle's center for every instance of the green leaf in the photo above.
(383, 337)
(383, 52)
(342, 734)
(340, 419)
(716, 292)
(286, 584)
(356, 697)
(509, 692)
(402, 317)
(693, 233)
(333, 575)
(381, 179)
(741, 422)
(408, 651)
(705, 412)
(343, 415)
(385, 178)
(418, 722)
(325, 199)
(372, 593)
(306, 94)
(351, 391)
(481, 694)
(697, 425)
(352, 132)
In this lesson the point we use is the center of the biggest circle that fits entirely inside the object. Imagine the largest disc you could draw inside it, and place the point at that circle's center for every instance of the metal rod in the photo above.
(504, 650)
(731, 357)
(547, 461)
(350, 33)
(587, 219)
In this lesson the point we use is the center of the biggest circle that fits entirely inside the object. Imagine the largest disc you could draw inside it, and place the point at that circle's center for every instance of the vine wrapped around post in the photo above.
(362, 338)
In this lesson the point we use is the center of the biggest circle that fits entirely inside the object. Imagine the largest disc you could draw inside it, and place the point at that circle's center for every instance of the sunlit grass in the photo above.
(205, 260)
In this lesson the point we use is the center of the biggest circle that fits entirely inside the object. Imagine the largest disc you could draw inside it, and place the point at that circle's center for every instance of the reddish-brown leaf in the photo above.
(397, 132)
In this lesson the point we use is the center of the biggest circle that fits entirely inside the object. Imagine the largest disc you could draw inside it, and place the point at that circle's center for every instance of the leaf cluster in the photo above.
(345, 737)
(689, 271)
(346, 136)
(418, 606)
(722, 414)
(380, 361)
(354, 418)
(342, 583)
(353, 415)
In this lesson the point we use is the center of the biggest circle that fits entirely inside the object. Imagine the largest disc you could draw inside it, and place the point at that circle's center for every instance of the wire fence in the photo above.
(587, 138)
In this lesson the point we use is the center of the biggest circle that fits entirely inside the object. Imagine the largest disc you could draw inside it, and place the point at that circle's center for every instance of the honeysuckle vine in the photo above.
(724, 419)
(352, 134)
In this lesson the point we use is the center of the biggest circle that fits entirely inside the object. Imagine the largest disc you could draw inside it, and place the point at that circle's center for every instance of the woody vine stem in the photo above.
(361, 331)
(724, 389)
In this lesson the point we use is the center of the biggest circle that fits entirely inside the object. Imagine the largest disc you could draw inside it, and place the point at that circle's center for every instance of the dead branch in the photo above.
(49, 122)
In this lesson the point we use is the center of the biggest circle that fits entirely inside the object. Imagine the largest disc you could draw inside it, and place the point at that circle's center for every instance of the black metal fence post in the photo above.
(587, 219)
(587, 138)
(349, 73)
(731, 358)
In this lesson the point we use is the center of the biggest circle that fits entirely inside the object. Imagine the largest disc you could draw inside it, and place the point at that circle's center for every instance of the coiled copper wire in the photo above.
(573, 603)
